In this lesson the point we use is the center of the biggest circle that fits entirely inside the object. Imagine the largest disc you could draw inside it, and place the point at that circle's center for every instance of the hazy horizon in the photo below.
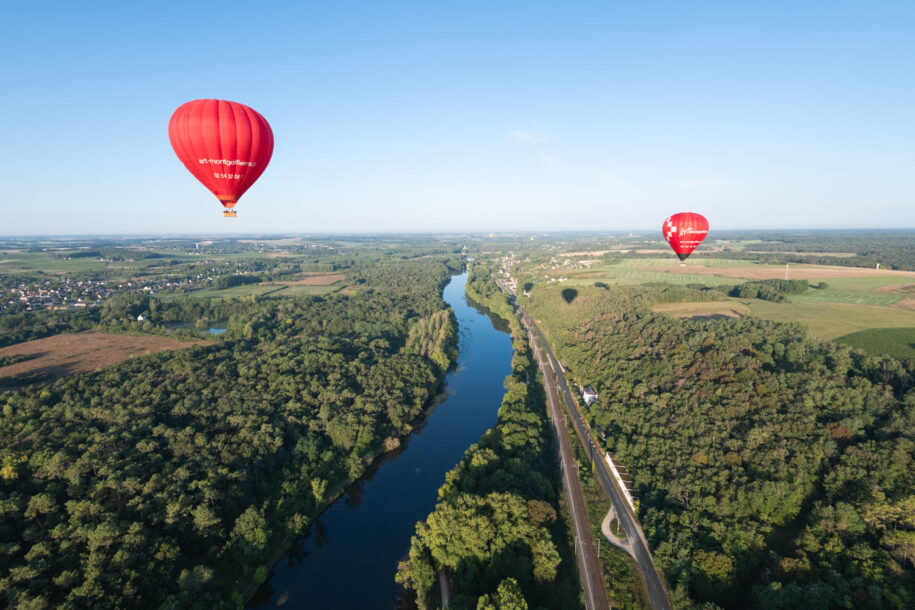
(449, 232)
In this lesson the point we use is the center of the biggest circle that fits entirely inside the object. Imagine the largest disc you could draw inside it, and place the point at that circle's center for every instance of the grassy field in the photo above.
(833, 320)
(896, 342)
(718, 271)
(304, 290)
(851, 285)
(236, 291)
(316, 279)
(854, 297)
(265, 289)
(636, 271)
(17, 263)
(832, 254)
(854, 300)
(704, 309)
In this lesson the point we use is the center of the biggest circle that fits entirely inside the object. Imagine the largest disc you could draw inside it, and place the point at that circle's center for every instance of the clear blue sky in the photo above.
(393, 116)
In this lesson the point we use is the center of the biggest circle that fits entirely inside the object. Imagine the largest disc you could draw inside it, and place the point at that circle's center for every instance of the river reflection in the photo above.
(348, 557)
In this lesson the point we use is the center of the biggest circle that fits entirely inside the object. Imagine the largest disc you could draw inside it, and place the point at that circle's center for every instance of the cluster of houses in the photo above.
(508, 263)
(568, 263)
(559, 264)
(68, 293)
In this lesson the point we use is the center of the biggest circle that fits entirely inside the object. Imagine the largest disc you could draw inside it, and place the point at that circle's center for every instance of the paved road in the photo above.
(634, 534)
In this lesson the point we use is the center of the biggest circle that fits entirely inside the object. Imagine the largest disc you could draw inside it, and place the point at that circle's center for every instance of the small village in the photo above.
(68, 293)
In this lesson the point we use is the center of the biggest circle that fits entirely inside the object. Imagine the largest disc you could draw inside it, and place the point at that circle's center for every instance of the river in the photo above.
(349, 556)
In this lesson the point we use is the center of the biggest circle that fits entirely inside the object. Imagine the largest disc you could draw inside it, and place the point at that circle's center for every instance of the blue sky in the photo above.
(428, 116)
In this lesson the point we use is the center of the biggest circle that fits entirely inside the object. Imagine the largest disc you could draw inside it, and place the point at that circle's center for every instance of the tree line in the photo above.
(772, 471)
(494, 533)
(171, 480)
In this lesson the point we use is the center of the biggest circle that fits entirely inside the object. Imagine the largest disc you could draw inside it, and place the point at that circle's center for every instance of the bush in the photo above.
(769, 290)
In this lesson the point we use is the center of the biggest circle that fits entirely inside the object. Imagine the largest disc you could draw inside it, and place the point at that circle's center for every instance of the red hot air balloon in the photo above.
(225, 145)
(685, 231)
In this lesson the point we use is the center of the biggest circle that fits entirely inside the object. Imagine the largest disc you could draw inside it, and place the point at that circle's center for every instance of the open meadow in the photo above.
(309, 285)
(841, 301)
(704, 309)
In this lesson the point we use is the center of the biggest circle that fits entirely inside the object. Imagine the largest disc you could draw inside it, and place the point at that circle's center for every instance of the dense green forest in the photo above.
(772, 471)
(171, 480)
(495, 533)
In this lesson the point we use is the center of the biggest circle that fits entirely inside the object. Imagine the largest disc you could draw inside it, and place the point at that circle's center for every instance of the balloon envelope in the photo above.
(225, 145)
(685, 231)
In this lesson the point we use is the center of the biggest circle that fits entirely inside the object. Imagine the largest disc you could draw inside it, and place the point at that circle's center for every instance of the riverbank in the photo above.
(497, 532)
(386, 451)
(360, 537)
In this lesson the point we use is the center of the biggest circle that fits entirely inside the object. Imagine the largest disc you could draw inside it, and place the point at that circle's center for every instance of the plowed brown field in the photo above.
(68, 354)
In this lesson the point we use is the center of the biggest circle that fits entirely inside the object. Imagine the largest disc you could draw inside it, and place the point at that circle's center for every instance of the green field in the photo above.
(13, 263)
(235, 291)
(264, 289)
(857, 290)
(731, 308)
(896, 342)
(833, 320)
(851, 290)
(631, 271)
(299, 291)
(846, 306)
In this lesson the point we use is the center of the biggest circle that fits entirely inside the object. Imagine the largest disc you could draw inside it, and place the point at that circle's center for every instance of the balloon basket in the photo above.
(229, 213)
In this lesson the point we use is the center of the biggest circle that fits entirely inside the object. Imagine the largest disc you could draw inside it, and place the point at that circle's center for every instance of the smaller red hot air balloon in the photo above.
(225, 145)
(685, 231)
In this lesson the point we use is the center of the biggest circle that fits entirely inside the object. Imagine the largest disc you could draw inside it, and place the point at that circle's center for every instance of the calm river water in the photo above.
(349, 556)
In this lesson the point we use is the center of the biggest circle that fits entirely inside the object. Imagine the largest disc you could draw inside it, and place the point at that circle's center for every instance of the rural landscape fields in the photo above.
(345, 343)
(850, 304)
(763, 453)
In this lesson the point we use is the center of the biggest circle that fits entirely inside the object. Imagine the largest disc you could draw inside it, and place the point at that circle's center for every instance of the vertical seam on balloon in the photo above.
(240, 110)
(192, 136)
(253, 173)
(225, 108)
(229, 145)
(184, 138)
(210, 111)
(197, 132)
(219, 182)
(184, 132)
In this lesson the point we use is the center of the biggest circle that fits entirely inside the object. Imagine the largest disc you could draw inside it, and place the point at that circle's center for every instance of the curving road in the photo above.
(639, 550)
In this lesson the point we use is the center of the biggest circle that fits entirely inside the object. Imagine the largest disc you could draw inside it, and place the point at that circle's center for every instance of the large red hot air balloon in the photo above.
(685, 231)
(225, 145)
